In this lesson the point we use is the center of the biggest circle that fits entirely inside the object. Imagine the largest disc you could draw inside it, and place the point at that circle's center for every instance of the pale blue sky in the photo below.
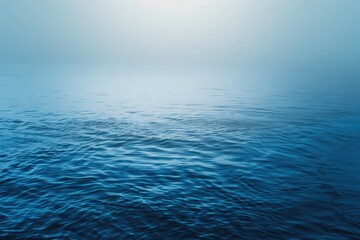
(251, 31)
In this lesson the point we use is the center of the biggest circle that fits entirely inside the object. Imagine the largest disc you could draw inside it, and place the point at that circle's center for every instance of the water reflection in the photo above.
(139, 155)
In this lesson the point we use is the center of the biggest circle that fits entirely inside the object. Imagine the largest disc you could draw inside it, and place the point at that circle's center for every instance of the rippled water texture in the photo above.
(171, 156)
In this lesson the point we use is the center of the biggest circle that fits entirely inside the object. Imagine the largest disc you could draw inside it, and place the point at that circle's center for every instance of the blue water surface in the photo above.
(153, 155)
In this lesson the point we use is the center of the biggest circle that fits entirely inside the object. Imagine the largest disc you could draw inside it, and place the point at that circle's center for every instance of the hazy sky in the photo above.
(259, 31)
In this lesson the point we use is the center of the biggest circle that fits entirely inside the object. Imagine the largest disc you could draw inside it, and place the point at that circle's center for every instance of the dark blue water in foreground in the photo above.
(114, 157)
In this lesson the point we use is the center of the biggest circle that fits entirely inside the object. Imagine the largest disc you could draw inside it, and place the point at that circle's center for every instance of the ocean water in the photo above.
(152, 155)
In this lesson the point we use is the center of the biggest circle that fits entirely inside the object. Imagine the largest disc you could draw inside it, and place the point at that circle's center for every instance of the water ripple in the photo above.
(225, 170)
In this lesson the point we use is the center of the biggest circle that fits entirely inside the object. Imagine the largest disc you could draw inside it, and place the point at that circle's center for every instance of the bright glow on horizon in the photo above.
(184, 8)
(168, 27)
(188, 31)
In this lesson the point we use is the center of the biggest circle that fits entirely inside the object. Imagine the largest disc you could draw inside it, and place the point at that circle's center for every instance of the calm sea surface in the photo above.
(176, 156)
